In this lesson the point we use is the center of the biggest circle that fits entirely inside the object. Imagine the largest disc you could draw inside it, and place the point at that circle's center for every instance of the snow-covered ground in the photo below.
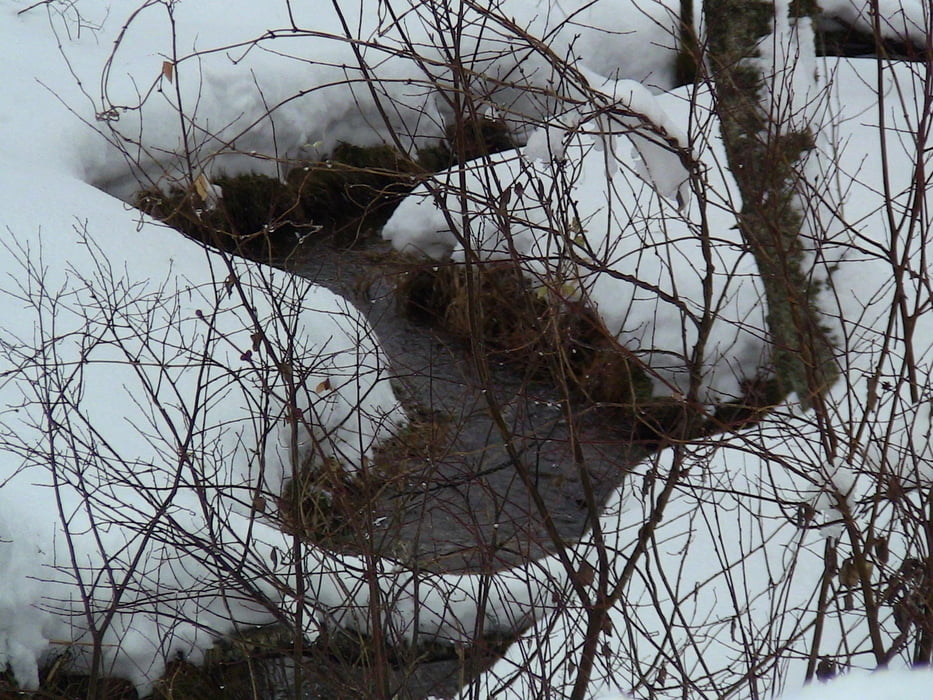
(884, 685)
(152, 393)
(666, 249)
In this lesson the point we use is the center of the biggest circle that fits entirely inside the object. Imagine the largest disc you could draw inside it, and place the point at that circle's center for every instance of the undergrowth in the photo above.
(347, 195)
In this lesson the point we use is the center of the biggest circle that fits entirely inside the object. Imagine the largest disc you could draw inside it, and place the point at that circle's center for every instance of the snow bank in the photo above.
(904, 20)
(726, 597)
(153, 396)
(882, 685)
(143, 376)
(252, 88)
(608, 219)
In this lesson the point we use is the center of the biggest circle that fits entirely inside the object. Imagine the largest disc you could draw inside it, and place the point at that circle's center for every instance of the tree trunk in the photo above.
(764, 152)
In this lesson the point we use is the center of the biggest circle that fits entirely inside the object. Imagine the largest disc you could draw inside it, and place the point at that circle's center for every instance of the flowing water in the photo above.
(458, 502)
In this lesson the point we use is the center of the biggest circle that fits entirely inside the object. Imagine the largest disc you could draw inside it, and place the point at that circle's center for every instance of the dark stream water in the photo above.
(458, 502)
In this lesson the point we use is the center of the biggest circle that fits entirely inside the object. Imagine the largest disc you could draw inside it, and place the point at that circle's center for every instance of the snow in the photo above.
(152, 391)
(131, 363)
(897, 19)
(568, 219)
(735, 573)
(882, 685)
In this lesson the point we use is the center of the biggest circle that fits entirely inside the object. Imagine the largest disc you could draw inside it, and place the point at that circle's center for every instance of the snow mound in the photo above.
(604, 220)
(881, 685)
(731, 585)
(151, 396)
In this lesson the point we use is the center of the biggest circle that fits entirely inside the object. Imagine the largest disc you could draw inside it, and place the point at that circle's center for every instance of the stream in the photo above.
(458, 503)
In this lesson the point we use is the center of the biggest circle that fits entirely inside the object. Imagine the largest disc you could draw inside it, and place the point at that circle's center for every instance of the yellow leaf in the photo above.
(203, 187)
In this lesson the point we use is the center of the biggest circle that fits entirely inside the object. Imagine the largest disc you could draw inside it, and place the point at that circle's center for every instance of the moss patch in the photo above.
(540, 332)
(465, 140)
(348, 195)
(352, 193)
(763, 156)
(325, 506)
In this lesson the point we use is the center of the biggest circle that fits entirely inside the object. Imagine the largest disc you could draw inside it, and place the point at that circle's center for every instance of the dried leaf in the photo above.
(504, 199)
(257, 341)
(323, 386)
(902, 616)
(848, 574)
(882, 552)
(202, 186)
(168, 70)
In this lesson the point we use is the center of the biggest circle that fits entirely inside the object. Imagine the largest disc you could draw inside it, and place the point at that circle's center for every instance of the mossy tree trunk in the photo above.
(763, 156)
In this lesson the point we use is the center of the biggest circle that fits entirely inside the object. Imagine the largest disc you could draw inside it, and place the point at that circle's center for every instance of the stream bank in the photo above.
(456, 502)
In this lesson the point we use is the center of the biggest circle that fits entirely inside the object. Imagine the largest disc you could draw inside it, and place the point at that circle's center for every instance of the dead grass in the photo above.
(545, 335)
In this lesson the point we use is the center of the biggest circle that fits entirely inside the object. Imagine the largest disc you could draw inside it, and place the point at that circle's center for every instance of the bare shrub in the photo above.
(709, 274)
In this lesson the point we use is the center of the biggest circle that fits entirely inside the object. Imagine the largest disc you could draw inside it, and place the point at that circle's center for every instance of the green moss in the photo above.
(347, 196)
(538, 332)
(58, 682)
(258, 205)
(353, 192)
(763, 157)
(465, 140)
(804, 8)
(256, 217)
(746, 21)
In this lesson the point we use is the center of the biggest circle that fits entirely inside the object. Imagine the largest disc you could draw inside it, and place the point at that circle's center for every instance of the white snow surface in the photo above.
(143, 393)
(740, 552)
(145, 379)
(254, 89)
(904, 20)
(575, 202)
(138, 422)
(881, 685)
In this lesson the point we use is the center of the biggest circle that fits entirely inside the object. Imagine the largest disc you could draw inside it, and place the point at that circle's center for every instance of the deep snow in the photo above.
(104, 386)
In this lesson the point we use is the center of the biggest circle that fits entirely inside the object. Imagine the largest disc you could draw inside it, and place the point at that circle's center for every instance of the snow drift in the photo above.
(153, 395)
